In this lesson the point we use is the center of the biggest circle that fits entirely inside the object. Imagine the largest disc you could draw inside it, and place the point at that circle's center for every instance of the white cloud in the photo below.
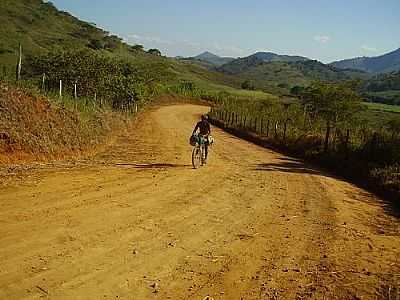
(368, 48)
(322, 39)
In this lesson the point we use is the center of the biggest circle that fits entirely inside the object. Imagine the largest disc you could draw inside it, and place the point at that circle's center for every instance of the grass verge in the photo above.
(37, 128)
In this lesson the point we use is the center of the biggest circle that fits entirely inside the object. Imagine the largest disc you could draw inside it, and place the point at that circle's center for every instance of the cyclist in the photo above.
(204, 130)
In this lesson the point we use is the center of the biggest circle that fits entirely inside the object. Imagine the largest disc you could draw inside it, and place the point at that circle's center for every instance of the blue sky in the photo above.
(326, 30)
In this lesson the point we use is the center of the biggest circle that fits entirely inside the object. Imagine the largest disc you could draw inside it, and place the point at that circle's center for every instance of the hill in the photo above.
(380, 64)
(383, 88)
(212, 59)
(39, 26)
(246, 63)
(280, 76)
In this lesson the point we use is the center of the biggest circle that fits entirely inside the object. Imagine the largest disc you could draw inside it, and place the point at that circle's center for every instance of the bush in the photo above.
(118, 81)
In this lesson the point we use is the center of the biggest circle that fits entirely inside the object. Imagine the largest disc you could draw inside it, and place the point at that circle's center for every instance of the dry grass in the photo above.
(36, 128)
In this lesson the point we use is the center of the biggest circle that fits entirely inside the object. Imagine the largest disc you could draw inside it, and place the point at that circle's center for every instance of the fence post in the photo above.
(374, 145)
(75, 91)
(347, 143)
(43, 82)
(284, 131)
(327, 135)
(19, 64)
(60, 92)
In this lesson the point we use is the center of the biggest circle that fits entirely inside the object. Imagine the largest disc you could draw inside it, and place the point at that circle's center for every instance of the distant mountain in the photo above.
(212, 59)
(280, 76)
(243, 64)
(380, 64)
(269, 56)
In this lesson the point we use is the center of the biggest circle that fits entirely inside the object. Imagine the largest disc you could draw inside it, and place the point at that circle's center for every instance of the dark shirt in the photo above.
(204, 127)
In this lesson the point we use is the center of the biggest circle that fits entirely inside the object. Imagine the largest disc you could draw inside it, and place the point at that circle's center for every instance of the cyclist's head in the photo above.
(204, 117)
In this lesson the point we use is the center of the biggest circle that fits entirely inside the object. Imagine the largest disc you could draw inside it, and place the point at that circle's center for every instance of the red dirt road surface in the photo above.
(137, 222)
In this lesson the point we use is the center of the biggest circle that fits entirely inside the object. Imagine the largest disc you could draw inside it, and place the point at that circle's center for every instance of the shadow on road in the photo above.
(292, 165)
(287, 165)
(153, 165)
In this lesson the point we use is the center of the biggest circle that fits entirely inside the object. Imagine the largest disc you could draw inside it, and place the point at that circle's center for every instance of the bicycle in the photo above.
(199, 151)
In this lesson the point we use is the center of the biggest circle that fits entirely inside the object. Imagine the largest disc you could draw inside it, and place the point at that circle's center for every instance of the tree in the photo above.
(112, 42)
(137, 48)
(283, 85)
(297, 90)
(154, 52)
(96, 44)
(248, 85)
(334, 103)
(394, 127)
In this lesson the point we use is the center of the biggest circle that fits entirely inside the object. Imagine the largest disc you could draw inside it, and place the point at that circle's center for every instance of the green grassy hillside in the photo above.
(279, 77)
(41, 28)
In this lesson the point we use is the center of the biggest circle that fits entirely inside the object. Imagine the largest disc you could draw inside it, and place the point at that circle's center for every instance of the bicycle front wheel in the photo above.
(196, 157)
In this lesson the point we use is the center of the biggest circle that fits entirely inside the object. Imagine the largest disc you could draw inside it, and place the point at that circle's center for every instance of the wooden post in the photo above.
(327, 135)
(19, 64)
(284, 131)
(262, 126)
(43, 82)
(60, 92)
(75, 91)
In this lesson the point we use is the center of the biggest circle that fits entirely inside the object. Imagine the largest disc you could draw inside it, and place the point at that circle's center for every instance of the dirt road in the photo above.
(137, 222)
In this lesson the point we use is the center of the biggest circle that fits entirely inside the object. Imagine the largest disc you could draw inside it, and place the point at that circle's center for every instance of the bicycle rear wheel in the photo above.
(196, 157)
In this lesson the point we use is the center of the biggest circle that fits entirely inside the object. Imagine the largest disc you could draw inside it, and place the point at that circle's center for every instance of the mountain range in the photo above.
(379, 64)
(40, 27)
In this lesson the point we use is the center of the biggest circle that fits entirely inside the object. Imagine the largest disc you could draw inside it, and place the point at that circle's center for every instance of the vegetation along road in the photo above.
(137, 222)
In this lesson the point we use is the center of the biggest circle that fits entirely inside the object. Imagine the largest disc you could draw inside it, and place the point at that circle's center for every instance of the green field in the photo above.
(383, 107)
